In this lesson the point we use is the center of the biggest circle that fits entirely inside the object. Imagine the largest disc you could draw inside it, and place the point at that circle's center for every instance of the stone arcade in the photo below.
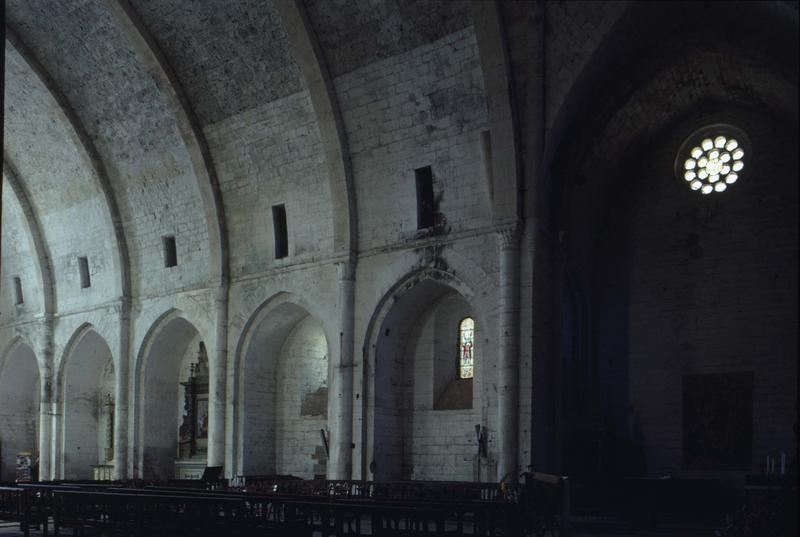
(438, 240)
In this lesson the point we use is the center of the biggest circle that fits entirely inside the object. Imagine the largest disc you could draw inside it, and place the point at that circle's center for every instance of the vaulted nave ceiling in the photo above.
(122, 124)
(126, 121)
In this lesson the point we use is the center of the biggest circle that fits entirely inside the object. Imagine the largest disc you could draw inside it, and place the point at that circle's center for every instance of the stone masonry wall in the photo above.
(302, 370)
(712, 289)
(18, 259)
(439, 444)
(266, 156)
(425, 107)
(19, 413)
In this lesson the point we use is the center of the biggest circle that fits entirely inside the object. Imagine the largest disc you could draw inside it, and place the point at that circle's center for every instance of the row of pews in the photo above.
(266, 506)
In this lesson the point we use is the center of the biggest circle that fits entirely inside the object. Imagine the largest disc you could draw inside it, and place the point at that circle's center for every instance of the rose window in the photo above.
(712, 159)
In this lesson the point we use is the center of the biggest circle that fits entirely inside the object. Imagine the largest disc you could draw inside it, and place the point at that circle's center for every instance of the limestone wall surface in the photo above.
(128, 123)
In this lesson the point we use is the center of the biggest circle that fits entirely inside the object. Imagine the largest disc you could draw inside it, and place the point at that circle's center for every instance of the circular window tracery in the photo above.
(712, 158)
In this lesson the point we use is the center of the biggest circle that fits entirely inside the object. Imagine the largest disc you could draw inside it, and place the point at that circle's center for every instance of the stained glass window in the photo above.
(466, 342)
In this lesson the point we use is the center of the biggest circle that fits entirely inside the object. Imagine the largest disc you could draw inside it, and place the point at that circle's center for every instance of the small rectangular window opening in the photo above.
(83, 268)
(486, 149)
(170, 252)
(280, 230)
(18, 298)
(425, 202)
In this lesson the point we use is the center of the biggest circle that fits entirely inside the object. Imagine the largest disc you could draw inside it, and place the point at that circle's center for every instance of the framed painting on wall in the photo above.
(718, 421)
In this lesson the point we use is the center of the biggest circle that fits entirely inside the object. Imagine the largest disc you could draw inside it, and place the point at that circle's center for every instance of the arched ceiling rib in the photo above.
(37, 247)
(643, 27)
(312, 64)
(675, 93)
(42, 140)
(238, 70)
(83, 152)
(133, 127)
(191, 133)
(490, 37)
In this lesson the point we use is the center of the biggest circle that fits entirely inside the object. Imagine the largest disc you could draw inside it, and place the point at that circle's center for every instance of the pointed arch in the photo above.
(81, 379)
(156, 387)
(394, 329)
(271, 335)
(19, 404)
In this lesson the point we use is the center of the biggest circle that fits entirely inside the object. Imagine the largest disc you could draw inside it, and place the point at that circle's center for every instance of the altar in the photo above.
(103, 472)
(190, 469)
(193, 431)
(104, 469)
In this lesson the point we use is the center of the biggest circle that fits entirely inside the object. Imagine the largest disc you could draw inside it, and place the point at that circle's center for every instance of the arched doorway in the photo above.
(87, 401)
(284, 393)
(19, 407)
(427, 419)
(173, 401)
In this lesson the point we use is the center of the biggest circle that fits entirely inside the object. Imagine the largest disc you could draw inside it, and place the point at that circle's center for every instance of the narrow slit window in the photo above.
(486, 148)
(170, 251)
(18, 297)
(281, 231)
(425, 202)
(466, 348)
(83, 268)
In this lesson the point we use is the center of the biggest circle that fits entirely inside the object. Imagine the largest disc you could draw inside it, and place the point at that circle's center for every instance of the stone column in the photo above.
(508, 355)
(46, 402)
(46, 425)
(340, 395)
(217, 383)
(121, 392)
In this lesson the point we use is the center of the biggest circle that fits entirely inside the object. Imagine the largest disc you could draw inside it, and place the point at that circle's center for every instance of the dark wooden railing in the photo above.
(19, 505)
(144, 514)
(391, 490)
(293, 507)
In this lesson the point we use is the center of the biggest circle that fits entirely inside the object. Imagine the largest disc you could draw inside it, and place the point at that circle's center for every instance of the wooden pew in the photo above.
(209, 513)
(38, 498)
(396, 490)
(18, 505)
(335, 507)
(547, 501)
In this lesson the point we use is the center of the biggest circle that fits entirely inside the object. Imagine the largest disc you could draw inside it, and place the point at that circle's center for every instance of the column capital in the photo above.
(509, 237)
(346, 269)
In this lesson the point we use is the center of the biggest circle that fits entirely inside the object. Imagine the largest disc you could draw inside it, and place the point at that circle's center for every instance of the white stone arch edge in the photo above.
(84, 142)
(35, 237)
(60, 387)
(61, 364)
(16, 341)
(249, 330)
(139, 371)
(152, 60)
(403, 286)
